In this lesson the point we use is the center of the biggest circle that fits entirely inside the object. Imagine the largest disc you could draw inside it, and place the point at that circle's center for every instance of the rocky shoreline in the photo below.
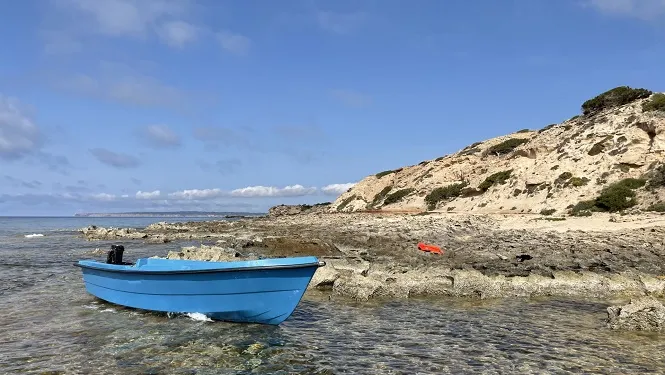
(376, 255)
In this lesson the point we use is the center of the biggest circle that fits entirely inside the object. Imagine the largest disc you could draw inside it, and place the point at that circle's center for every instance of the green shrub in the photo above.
(385, 173)
(397, 196)
(563, 177)
(583, 207)
(346, 202)
(657, 207)
(524, 131)
(656, 103)
(443, 193)
(578, 181)
(547, 211)
(382, 194)
(495, 178)
(615, 97)
(470, 151)
(597, 149)
(470, 192)
(631, 183)
(507, 146)
(616, 197)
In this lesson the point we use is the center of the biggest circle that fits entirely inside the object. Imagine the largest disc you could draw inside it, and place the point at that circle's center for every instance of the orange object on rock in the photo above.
(429, 248)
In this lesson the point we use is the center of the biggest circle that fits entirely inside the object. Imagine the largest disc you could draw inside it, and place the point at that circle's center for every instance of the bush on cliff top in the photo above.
(656, 103)
(385, 173)
(443, 193)
(507, 146)
(613, 98)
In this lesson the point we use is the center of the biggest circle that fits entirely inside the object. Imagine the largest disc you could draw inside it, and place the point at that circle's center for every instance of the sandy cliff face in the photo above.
(528, 171)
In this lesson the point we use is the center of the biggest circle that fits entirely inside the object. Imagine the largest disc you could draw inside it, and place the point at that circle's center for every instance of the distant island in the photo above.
(169, 214)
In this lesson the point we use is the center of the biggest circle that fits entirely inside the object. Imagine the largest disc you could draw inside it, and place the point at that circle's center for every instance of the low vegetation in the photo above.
(614, 198)
(547, 211)
(495, 178)
(656, 103)
(380, 195)
(346, 202)
(385, 173)
(656, 177)
(597, 148)
(578, 181)
(506, 146)
(397, 196)
(444, 193)
(615, 97)
(657, 207)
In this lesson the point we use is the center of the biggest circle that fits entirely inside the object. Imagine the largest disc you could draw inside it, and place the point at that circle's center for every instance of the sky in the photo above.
(217, 105)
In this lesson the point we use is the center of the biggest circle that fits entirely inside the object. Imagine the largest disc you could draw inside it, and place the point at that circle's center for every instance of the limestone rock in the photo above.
(592, 151)
(641, 314)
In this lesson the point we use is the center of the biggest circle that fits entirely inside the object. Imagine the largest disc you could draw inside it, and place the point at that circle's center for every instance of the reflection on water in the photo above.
(50, 325)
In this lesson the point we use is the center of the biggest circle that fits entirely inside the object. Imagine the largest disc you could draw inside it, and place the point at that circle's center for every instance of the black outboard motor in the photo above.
(115, 255)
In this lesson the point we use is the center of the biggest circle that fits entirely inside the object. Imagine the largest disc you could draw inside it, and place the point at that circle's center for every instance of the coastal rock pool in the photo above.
(50, 325)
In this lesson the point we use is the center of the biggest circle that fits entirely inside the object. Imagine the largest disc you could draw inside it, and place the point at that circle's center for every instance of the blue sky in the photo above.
(116, 105)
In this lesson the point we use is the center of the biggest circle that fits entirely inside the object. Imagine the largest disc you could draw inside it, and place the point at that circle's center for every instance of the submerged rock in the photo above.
(641, 314)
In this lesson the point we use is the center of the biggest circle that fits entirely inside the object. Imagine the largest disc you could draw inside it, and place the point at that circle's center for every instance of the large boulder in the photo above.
(641, 314)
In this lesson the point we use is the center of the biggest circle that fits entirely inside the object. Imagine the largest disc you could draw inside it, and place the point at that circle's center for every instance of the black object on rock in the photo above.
(523, 257)
(115, 255)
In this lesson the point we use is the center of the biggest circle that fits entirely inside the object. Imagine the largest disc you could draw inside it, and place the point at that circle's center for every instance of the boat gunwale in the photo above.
(207, 270)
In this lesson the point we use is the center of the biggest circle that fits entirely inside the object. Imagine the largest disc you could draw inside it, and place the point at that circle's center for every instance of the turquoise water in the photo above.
(49, 324)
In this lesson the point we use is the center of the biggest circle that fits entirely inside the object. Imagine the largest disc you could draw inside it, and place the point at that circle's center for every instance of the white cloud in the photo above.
(337, 189)
(196, 194)
(148, 194)
(115, 159)
(160, 136)
(643, 9)
(133, 18)
(102, 197)
(19, 136)
(270, 191)
(234, 43)
(178, 33)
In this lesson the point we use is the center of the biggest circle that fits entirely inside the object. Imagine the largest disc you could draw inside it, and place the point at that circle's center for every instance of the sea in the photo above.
(50, 325)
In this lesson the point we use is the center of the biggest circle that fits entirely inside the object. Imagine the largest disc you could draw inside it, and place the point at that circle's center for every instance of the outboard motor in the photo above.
(115, 255)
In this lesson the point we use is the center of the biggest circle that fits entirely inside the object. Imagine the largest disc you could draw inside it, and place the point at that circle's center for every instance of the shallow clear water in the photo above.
(49, 324)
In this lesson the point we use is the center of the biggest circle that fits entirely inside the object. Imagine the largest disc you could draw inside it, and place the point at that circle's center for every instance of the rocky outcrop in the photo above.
(287, 210)
(641, 314)
(95, 232)
(528, 171)
(484, 256)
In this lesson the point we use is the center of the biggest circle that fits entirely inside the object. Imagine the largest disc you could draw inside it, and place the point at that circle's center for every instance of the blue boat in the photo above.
(264, 291)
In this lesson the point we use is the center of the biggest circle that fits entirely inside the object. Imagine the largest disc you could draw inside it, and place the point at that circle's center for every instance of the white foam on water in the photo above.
(34, 235)
(198, 317)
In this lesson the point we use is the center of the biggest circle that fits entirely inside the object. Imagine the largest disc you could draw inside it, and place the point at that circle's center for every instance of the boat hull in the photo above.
(263, 291)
